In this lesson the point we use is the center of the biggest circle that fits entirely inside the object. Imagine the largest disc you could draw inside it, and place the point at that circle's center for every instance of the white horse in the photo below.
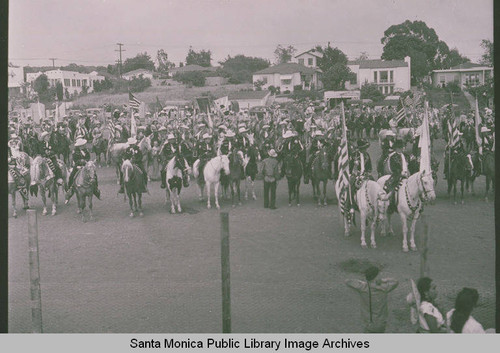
(115, 153)
(372, 202)
(43, 180)
(211, 174)
(174, 183)
(415, 190)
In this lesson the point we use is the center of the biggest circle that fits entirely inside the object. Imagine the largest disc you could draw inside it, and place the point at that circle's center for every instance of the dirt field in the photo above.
(161, 273)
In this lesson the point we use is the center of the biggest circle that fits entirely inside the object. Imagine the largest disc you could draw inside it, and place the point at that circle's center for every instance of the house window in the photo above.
(374, 76)
(78, 83)
(67, 82)
(84, 82)
(310, 61)
(391, 76)
(383, 77)
(264, 79)
(73, 82)
(301, 61)
(286, 82)
(391, 89)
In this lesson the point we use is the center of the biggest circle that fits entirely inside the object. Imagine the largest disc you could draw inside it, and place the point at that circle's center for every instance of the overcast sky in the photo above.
(86, 32)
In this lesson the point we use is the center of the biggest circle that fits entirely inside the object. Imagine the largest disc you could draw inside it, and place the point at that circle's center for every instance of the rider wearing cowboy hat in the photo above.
(80, 157)
(317, 143)
(361, 163)
(134, 155)
(398, 167)
(205, 152)
(48, 152)
(451, 151)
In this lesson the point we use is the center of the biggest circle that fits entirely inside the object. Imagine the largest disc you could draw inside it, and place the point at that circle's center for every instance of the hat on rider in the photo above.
(206, 135)
(118, 127)
(485, 129)
(390, 133)
(80, 142)
(132, 141)
(318, 133)
(162, 128)
(44, 134)
(170, 136)
(230, 133)
(272, 153)
(14, 136)
(242, 130)
(363, 144)
(288, 134)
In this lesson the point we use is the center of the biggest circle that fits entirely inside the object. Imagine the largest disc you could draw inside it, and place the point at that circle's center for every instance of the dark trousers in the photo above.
(269, 194)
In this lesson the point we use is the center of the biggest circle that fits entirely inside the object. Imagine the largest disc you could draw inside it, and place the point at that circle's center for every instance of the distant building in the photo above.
(389, 75)
(70, 80)
(215, 81)
(137, 73)
(250, 99)
(309, 58)
(191, 68)
(463, 74)
(289, 75)
(15, 80)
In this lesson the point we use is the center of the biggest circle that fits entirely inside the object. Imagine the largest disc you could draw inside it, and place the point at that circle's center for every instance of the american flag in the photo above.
(343, 166)
(453, 132)
(133, 102)
(401, 112)
(112, 129)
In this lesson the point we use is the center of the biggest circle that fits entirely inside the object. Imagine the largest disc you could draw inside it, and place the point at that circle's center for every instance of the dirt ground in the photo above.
(161, 273)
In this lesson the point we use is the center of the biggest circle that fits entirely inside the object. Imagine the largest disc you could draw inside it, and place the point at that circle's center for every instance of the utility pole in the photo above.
(53, 64)
(119, 62)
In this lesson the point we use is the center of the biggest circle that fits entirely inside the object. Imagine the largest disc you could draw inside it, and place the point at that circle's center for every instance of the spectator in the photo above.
(270, 172)
(459, 319)
(373, 294)
(429, 317)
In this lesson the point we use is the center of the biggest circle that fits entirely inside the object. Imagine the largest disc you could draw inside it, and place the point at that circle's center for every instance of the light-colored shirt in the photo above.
(470, 326)
(429, 309)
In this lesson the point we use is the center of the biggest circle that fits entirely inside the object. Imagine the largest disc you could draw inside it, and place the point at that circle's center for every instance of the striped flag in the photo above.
(401, 112)
(343, 167)
(112, 129)
(133, 102)
(453, 132)
(477, 122)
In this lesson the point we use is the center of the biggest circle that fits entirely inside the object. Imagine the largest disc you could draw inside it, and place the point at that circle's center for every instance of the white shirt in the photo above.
(429, 309)
(470, 326)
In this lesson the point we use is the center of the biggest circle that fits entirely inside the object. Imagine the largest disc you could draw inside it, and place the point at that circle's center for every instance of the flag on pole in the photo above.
(453, 133)
(209, 120)
(343, 167)
(424, 143)
(133, 102)
(56, 113)
(112, 129)
(133, 125)
(401, 112)
(476, 125)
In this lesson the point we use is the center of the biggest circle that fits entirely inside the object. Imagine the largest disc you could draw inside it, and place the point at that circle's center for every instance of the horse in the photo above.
(235, 174)
(320, 173)
(414, 166)
(174, 182)
(145, 147)
(84, 186)
(42, 179)
(461, 168)
(415, 190)
(373, 203)
(115, 153)
(134, 186)
(489, 172)
(251, 170)
(100, 146)
(211, 174)
(60, 144)
(292, 168)
(13, 186)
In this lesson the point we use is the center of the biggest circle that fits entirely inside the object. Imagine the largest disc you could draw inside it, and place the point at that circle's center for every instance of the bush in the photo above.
(194, 78)
(273, 90)
(297, 88)
(139, 84)
(371, 91)
(453, 87)
(104, 85)
(258, 85)
(302, 95)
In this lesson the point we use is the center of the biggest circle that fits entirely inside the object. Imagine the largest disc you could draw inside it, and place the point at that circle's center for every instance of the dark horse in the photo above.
(100, 146)
(461, 168)
(292, 168)
(60, 145)
(251, 170)
(489, 171)
(134, 186)
(235, 173)
(320, 173)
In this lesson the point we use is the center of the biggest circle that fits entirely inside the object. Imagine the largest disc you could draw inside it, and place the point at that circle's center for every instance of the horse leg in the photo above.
(363, 230)
(487, 188)
(139, 201)
(346, 227)
(179, 208)
(131, 204)
(216, 192)
(238, 182)
(172, 201)
(207, 186)
(167, 196)
(413, 246)
(14, 213)
(405, 231)
(91, 216)
(231, 183)
(455, 191)
(297, 185)
(290, 191)
(44, 200)
(462, 191)
(372, 237)
(324, 192)
(246, 187)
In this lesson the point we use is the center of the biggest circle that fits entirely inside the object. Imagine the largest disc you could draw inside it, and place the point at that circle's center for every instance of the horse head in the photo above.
(382, 205)
(127, 168)
(225, 163)
(427, 186)
(90, 171)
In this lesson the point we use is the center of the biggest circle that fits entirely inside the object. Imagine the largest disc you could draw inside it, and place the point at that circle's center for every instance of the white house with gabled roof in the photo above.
(309, 58)
(287, 76)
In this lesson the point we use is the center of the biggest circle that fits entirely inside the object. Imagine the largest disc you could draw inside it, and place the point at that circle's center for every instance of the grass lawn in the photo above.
(439, 97)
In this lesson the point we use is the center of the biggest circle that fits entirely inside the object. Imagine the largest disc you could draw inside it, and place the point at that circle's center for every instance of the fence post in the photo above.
(226, 284)
(34, 263)
(424, 267)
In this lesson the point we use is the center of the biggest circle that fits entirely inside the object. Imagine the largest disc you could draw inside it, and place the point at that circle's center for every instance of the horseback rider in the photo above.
(17, 165)
(266, 141)
(48, 153)
(290, 145)
(487, 145)
(398, 167)
(361, 163)
(227, 146)
(317, 143)
(169, 150)
(205, 152)
(80, 157)
(96, 132)
(134, 155)
(453, 151)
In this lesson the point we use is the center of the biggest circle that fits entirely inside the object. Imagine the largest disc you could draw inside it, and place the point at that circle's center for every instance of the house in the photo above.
(191, 68)
(389, 75)
(250, 99)
(464, 75)
(309, 58)
(333, 98)
(137, 73)
(15, 80)
(289, 75)
(74, 82)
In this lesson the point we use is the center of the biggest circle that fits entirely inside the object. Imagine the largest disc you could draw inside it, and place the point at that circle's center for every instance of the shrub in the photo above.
(297, 88)
(194, 78)
(453, 87)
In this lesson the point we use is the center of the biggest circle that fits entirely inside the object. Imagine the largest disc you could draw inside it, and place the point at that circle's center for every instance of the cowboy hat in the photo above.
(14, 136)
(265, 126)
(171, 137)
(206, 135)
(318, 133)
(162, 128)
(390, 133)
(80, 142)
(230, 133)
(485, 129)
(288, 134)
(222, 126)
(272, 153)
(44, 134)
(362, 143)
(242, 130)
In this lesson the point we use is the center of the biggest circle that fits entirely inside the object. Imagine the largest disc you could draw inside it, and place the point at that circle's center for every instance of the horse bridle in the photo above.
(425, 192)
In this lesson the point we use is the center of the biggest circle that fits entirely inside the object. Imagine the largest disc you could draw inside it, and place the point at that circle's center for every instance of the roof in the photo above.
(378, 64)
(190, 68)
(287, 68)
(248, 95)
(312, 52)
(466, 66)
(135, 72)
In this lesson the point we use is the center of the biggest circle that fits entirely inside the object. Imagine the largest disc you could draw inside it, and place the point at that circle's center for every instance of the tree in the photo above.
(163, 65)
(241, 68)
(487, 58)
(421, 44)
(41, 84)
(331, 57)
(139, 84)
(334, 67)
(194, 78)
(371, 91)
(202, 58)
(284, 54)
(454, 58)
(103, 85)
(60, 91)
(140, 61)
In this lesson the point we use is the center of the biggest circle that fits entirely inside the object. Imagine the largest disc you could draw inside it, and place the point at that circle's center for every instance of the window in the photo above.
(286, 82)
(391, 76)
(374, 76)
(84, 82)
(391, 89)
(383, 77)
(78, 83)
(310, 61)
(67, 82)
(301, 61)
(264, 79)
(73, 82)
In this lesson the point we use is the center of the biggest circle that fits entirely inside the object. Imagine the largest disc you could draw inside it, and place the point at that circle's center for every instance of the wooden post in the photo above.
(34, 263)
(226, 284)
(424, 267)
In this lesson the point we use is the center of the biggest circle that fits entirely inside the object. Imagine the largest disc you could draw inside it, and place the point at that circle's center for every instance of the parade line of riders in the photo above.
(299, 130)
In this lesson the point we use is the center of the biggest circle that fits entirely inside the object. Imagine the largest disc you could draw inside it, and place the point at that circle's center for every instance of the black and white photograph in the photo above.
(251, 167)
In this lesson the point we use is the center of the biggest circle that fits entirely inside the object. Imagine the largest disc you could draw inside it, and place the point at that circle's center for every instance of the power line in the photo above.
(53, 62)
(120, 61)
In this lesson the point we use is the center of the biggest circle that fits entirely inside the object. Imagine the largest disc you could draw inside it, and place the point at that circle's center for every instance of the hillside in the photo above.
(164, 93)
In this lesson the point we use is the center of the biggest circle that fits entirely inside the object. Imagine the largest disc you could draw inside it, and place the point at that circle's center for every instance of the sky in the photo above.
(86, 32)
